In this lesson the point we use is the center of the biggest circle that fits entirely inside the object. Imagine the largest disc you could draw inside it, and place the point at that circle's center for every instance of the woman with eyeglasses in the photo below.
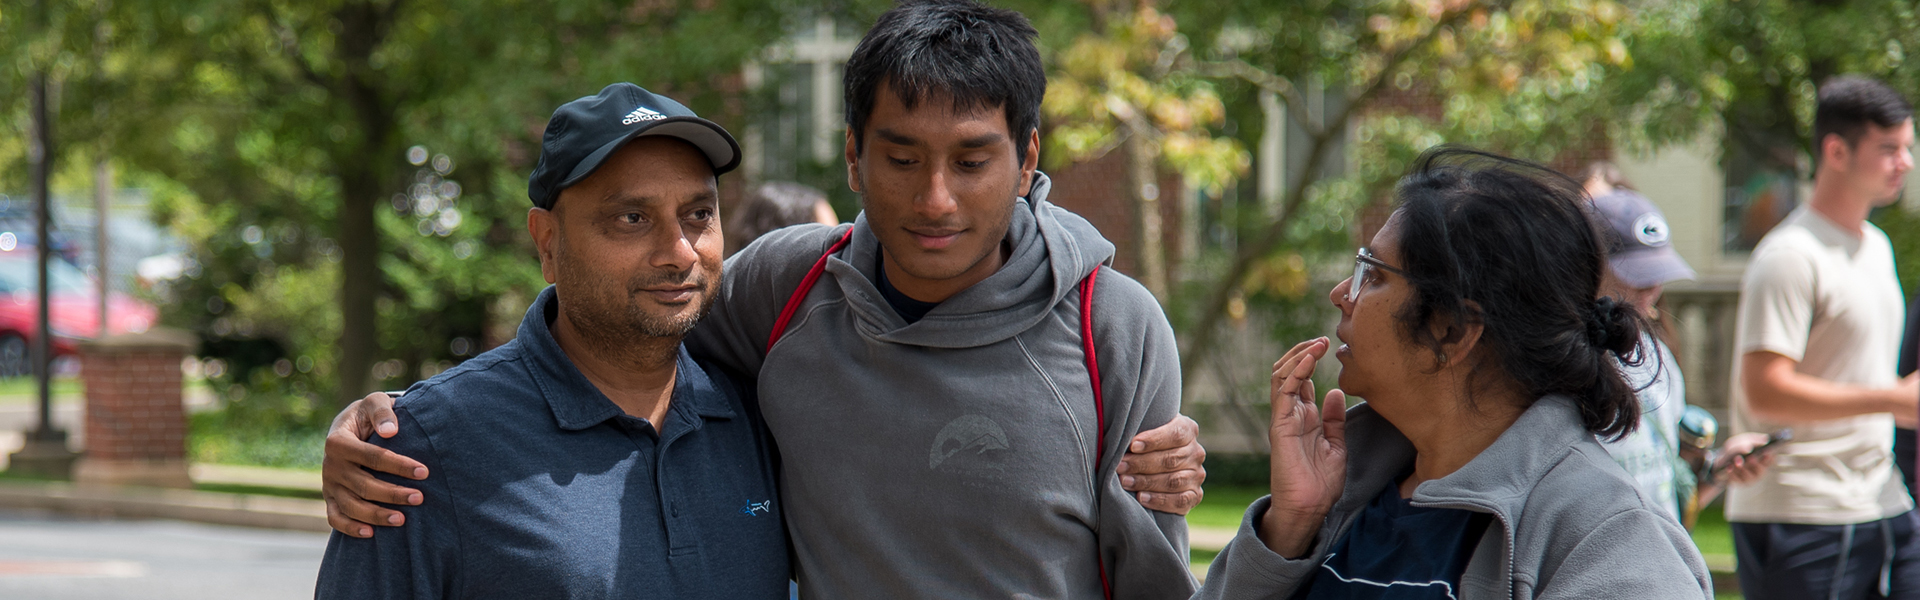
(1488, 369)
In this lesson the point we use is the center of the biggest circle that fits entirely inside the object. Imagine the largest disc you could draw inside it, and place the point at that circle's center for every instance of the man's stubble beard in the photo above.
(607, 315)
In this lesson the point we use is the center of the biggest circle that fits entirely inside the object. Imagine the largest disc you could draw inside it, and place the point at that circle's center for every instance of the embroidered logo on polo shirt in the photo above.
(756, 508)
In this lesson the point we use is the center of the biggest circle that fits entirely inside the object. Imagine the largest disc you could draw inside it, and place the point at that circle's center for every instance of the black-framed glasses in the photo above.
(1363, 265)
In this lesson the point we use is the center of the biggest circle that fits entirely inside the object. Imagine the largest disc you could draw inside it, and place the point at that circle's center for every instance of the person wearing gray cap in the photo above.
(592, 456)
(1641, 261)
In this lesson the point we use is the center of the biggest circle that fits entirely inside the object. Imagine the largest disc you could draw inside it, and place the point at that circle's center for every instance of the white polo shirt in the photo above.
(1819, 295)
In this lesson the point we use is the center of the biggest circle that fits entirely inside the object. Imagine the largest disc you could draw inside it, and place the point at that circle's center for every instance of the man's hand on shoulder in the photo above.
(1164, 466)
(349, 489)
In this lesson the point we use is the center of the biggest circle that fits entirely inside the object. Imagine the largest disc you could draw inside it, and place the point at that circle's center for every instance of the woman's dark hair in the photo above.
(1514, 247)
(976, 56)
(771, 206)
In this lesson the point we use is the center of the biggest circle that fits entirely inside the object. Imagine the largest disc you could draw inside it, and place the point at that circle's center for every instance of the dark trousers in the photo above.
(1814, 562)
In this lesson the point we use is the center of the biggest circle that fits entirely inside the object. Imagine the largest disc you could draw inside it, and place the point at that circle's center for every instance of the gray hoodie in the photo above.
(954, 457)
(1568, 523)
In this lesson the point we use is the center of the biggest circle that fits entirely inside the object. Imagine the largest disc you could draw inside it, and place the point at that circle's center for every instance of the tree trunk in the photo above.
(1149, 237)
(364, 181)
(360, 279)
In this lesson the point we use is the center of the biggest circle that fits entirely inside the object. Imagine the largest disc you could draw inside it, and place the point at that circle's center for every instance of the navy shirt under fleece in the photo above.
(1400, 551)
(541, 487)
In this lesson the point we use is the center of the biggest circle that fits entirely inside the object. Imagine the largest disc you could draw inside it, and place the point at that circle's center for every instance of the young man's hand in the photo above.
(350, 490)
(1163, 467)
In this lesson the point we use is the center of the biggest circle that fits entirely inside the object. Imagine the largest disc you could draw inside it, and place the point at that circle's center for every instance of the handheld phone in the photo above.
(1717, 469)
(1773, 441)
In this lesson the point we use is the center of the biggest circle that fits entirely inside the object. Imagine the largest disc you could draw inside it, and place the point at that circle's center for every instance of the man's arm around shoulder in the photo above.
(1140, 381)
(420, 560)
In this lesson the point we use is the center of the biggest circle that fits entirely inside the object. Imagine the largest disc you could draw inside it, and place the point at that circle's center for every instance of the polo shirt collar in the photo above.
(577, 404)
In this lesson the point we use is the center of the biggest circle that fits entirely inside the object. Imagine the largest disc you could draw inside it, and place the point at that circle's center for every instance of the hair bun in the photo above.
(1611, 326)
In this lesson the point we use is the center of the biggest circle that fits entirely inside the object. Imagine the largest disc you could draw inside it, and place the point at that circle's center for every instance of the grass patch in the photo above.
(1201, 557)
(214, 439)
(1711, 532)
(24, 388)
(1224, 506)
(259, 490)
(12, 475)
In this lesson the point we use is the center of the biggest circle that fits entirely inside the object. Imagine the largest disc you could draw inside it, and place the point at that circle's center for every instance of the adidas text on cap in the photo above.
(584, 132)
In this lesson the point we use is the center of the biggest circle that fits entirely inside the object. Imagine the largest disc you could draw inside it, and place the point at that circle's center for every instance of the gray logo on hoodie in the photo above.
(969, 432)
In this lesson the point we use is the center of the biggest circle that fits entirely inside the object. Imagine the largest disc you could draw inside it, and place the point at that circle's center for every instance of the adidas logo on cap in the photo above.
(641, 114)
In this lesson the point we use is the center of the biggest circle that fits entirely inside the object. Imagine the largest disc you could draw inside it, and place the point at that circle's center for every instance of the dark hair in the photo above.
(1514, 247)
(979, 57)
(1848, 103)
(771, 206)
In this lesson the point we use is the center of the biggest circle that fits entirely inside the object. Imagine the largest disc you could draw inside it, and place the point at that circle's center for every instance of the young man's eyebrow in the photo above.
(982, 141)
(892, 137)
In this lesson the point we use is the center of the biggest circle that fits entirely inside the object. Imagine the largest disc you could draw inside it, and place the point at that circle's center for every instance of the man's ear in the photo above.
(1834, 150)
(544, 226)
(1031, 163)
(853, 162)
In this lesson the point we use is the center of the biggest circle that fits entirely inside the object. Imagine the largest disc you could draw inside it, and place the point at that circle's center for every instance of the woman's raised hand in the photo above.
(1309, 463)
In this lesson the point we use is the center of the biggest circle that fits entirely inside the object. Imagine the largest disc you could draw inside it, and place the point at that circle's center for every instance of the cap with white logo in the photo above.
(1639, 250)
(584, 132)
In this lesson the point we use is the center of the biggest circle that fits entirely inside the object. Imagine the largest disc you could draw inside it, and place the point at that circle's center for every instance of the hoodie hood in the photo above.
(1053, 250)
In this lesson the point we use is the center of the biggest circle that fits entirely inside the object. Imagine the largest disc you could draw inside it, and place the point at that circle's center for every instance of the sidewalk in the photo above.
(252, 510)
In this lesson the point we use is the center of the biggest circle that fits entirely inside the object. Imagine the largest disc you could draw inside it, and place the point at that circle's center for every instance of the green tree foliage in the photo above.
(1522, 77)
(274, 137)
(1118, 88)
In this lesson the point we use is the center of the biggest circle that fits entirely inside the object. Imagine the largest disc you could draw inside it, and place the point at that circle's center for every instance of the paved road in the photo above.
(56, 558)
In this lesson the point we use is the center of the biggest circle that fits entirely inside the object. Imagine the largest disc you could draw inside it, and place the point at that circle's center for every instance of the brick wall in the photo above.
(133, 405)
(1097, 190)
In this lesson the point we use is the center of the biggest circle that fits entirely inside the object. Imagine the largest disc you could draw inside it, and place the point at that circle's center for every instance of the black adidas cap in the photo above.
(584, 132)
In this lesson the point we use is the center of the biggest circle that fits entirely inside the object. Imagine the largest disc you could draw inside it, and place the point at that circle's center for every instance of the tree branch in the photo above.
(1201, 342)
(1280, 86)
(290, 45)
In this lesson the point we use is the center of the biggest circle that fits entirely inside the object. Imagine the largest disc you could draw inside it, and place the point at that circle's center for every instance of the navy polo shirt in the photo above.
(541, 487)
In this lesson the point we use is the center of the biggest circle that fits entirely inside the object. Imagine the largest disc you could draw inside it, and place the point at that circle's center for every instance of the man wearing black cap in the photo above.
(592, 456)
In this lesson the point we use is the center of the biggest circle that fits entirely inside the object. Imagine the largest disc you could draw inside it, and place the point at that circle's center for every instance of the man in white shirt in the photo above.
(1817, 335)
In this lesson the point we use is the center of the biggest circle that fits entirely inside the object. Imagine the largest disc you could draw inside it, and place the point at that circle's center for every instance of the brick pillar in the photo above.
(136, 426)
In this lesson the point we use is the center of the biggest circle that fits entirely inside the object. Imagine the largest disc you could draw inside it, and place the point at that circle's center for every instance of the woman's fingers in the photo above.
(1296, 366)
(1333, 418)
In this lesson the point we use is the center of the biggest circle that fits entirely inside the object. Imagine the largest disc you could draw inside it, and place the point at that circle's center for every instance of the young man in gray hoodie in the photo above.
(925, 370)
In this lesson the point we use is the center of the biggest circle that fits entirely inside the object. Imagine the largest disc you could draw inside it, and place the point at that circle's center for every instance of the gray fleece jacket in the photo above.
(954, 457)
(1568, 523)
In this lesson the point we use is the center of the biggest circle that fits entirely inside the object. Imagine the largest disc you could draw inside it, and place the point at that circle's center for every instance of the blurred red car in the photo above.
(74, 312)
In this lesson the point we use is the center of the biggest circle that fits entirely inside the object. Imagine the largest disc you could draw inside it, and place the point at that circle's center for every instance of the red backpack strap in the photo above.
(1099, 407)
(806, 285)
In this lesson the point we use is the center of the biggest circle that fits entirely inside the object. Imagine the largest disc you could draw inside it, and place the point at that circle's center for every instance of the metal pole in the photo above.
(42, 340)
(102, 195)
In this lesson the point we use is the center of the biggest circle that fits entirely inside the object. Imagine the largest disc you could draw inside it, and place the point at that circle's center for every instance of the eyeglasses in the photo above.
(1363, 265)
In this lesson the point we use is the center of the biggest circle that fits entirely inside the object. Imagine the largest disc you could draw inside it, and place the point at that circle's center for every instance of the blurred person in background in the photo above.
(1640, 262)
(773, 205)
(1475, 329)
(1816, 346)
